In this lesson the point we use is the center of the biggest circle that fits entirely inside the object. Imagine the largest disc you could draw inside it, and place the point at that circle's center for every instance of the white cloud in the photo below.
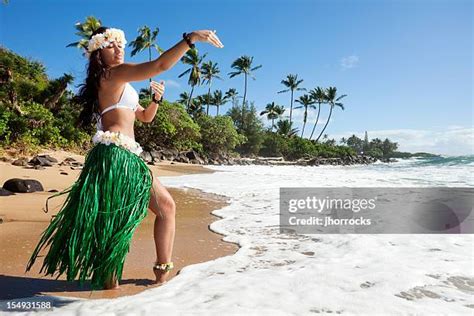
(455, 140)
(349, 61)
(171, 83)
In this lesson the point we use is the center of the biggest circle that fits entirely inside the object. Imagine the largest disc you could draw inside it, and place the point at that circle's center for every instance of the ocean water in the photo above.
(291, 274)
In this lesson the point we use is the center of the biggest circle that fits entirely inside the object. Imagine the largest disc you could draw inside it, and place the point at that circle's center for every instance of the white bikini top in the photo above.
(128, 100)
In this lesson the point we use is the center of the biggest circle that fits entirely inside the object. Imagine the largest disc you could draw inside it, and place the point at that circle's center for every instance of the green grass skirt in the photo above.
(91, 234)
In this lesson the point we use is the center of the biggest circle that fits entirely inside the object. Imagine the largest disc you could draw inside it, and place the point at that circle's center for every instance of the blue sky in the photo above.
(406, 66)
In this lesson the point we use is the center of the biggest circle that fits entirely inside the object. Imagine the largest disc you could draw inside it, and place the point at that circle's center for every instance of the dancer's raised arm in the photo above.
(127, 72)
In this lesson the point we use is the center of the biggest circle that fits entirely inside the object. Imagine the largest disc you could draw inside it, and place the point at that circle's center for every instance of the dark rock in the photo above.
(182, 158)
(40, 161)
(169, 154)
(23, 185)
(5, 192)
(146, 156)
(388, 160)
(51, 159)
(194, 156)
(6, 159)
(64, 173)
(20, 162)
(313, 161)
(156, 155)
(39, 167)
(53, 190)
(69, 161)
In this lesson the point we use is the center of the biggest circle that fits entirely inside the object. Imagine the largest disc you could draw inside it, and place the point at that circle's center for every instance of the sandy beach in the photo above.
(23, 220)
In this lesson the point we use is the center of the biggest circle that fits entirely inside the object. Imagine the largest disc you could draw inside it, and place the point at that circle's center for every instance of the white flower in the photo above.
(118, 139)
(102, 40)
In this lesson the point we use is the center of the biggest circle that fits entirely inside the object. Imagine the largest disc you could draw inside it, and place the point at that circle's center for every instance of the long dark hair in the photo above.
(88, 95)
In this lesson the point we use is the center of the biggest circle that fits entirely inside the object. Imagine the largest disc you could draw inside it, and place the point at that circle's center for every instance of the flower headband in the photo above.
(103, 40)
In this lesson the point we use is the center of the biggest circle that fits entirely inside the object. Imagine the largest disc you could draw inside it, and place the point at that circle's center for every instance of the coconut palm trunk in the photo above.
(317, 119)
(304, 124)
(243, 102)
(208, 99)
(291, 104)
(190, 97)
(327, 122)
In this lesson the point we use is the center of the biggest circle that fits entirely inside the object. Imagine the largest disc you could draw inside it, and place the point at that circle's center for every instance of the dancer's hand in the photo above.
(158, 89)
(206, 36)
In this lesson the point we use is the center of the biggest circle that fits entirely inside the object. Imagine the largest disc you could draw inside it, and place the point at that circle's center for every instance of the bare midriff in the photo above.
(119, 120)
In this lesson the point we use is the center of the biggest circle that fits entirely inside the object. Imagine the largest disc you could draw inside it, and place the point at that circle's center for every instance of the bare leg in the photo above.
(163, 205)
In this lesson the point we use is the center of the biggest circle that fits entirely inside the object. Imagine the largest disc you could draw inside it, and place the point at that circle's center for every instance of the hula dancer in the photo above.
(90, 236)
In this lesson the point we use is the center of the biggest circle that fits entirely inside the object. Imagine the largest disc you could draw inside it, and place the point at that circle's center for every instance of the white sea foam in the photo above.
(281, 274)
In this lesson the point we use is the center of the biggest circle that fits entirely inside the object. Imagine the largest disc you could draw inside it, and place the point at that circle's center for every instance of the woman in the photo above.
(90, 235)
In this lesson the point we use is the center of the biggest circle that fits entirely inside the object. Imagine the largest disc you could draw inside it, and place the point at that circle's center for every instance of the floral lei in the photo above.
(102, 40)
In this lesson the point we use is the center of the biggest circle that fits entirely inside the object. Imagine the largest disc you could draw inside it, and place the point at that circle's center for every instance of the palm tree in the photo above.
(284, 127)
(218, 100)
(84, 31)
(183, 98)
(145, 40)
(59, 88)
(333, 100)
(195, 105)
(243, 65)
(273, 111)
(207, 100)
(292, 83)
(319, 96)
(193, 59)
(306, 102)
(232, 95)
(209, 71)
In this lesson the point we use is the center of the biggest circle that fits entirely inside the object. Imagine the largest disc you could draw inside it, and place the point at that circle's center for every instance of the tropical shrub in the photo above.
(218, 134)
(172, 127)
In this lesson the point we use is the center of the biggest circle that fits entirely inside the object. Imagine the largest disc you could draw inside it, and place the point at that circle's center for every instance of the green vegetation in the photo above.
(35, 111)
(218, 134)
(171, 128)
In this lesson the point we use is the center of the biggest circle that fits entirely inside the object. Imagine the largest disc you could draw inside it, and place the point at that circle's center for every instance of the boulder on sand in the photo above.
(23, 185)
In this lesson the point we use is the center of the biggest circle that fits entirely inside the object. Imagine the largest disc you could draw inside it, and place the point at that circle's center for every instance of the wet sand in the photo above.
(23, 220)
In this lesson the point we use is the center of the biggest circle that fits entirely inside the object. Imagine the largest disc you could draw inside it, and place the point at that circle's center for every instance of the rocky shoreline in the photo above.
(193, 157)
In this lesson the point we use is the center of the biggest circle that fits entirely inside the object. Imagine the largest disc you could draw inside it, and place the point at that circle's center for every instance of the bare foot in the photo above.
(161, 276)
(111, 284)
